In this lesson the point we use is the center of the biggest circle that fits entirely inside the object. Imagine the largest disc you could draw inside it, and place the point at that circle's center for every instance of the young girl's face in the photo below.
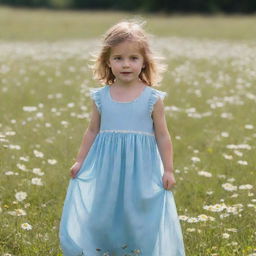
(126, 62)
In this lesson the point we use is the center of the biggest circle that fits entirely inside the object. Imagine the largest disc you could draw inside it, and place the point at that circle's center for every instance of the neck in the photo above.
(128, 84)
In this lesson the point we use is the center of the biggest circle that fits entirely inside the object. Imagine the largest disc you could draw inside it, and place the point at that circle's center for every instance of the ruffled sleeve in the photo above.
(95, 95)
(155, 95)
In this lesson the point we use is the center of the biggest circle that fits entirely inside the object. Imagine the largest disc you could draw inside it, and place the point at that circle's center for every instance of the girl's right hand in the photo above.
(74, 169)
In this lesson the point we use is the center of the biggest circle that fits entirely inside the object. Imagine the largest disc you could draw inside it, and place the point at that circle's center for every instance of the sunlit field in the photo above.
(210, 111)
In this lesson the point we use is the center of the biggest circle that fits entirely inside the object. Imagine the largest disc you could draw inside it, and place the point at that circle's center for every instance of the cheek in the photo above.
(113, 66)
(140, 65)
(116, 64)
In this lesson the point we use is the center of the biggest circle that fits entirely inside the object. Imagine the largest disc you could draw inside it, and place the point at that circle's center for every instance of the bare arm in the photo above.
(163, 137)
(90, 134)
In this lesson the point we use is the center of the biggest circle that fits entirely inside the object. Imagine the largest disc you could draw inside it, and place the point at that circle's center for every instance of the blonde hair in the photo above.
(127, 30)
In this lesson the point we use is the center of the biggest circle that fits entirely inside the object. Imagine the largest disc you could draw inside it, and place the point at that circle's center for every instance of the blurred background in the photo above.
(153, 6)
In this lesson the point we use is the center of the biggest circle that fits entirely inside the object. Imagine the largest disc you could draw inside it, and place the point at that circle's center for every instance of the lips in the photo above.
(126, 73)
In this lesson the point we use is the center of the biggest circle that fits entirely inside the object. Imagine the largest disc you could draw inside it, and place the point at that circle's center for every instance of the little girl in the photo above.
(119, 200)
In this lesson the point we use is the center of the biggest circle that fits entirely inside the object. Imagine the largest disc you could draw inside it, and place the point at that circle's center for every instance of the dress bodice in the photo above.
(132, 116)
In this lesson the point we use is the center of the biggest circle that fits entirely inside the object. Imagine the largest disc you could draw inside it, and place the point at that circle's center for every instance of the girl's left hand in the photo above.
(168, 180)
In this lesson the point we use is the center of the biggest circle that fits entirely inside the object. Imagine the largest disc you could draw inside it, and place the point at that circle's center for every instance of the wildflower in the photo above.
(20, 196)
(242, 162)
(228, 157)
(36, 181)
(191, 229)
(22, 167)
(225, 235)
(203, 217)
(26, 226)
(225, 134)
(192, 220)
(9, 173)
(17, 212)
(247, 186)
(215, 208)
(29, 108)
(52, 161)
(37, 171)
(38, 153)
(229, 187)
(183, 217)
(205, 174)
(195, 159)
(249, 126)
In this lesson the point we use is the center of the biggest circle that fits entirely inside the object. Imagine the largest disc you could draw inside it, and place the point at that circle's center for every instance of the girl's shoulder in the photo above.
(95, 94)
(96, 90)
(155, 94)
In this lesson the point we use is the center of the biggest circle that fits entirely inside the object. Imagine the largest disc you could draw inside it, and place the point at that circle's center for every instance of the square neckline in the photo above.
(125, 102)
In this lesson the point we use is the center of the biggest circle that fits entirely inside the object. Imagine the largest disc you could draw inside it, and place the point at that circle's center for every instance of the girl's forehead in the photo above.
(126, 47)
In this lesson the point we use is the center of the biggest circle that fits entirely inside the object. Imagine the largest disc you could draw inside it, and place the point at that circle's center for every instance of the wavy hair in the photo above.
(131, 30)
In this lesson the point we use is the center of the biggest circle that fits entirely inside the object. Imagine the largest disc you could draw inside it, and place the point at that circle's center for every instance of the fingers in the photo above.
(72, 172)
(168, 185)
(165, 183)
(74, 169)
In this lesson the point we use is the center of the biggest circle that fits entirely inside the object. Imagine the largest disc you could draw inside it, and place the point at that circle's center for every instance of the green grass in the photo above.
(42, 24)
(207, 73)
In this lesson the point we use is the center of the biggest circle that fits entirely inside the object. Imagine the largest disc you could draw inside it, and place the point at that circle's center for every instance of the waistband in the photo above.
(129, 131)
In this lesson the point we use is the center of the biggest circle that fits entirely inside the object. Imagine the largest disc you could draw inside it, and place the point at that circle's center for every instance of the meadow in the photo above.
(210, 110)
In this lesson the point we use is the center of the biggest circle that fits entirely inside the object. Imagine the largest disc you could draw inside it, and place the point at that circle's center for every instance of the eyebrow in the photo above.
(137, 55)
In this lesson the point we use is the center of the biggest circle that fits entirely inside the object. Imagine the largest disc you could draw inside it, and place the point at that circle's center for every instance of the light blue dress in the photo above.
(117, 205)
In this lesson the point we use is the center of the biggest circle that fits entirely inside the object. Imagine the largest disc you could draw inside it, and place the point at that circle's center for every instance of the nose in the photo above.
(126, 63)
